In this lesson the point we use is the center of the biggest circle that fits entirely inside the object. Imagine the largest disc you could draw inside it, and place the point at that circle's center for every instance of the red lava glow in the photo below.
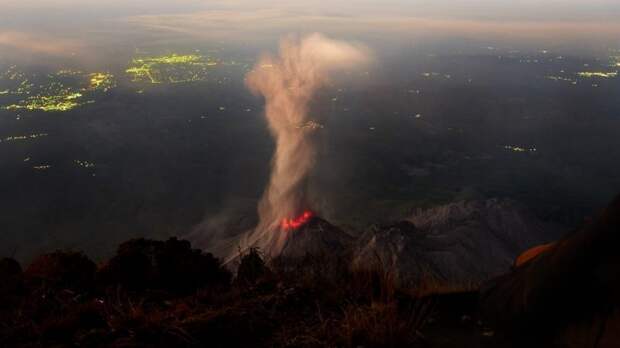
(295, 223)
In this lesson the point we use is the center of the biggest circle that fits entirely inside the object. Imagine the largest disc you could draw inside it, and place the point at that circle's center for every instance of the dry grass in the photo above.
(314, 301)
(362, 307)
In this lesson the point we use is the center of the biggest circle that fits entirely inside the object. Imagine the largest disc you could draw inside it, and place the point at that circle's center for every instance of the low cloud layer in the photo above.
(39, 43)
(44, 28)
(268, 23)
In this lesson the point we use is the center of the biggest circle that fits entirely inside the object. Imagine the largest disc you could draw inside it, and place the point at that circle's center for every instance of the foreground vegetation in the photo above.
(165, 294)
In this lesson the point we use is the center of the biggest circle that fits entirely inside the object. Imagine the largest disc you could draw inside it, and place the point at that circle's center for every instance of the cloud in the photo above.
(269, 23)
(39, 43)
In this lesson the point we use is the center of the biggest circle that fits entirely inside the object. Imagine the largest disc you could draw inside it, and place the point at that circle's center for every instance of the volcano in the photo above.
(309, 234)
(288, 82)
(297, 222)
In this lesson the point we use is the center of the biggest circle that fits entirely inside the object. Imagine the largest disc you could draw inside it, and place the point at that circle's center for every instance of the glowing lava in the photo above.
(295, 223)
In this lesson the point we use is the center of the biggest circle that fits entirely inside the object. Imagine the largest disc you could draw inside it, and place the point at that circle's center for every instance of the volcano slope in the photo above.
(316, 237)
(459, 244)
(568, 294)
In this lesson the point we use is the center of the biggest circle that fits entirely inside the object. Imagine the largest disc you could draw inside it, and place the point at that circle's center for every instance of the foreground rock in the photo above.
(568, 293)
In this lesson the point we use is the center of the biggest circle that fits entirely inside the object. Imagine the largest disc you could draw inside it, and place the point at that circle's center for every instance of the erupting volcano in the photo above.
(295, 223)
(288, 82)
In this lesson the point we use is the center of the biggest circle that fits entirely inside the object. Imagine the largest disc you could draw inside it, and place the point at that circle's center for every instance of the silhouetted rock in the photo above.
(569, 292)
(171, 265)
(251, 268)
(9, 267)
(11, 280)
(62, 270)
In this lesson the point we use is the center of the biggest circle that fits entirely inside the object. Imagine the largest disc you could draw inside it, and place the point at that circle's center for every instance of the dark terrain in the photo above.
(166, 294)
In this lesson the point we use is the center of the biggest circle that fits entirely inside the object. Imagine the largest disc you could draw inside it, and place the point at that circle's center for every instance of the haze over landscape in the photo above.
(121, 120)
(304, 174)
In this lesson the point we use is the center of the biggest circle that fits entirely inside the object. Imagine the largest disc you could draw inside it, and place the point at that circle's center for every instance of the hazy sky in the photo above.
(469, 9)
(59, 27)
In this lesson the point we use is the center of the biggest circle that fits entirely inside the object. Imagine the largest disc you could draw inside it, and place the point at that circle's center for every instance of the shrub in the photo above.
(11, 281)
(62, 269)
(251, 268)
(170, 265)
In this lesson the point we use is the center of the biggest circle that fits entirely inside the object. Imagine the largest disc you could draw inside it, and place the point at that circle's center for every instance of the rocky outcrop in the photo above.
(456, 244)
(533, 253)
(569, 293)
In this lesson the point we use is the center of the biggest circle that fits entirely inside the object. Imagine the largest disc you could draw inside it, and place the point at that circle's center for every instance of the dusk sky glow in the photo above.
(82, 26)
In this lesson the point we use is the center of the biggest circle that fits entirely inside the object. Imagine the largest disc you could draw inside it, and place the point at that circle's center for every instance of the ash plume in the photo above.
(288, 82)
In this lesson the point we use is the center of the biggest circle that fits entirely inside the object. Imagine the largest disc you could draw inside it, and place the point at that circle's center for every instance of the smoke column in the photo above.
(288, 83)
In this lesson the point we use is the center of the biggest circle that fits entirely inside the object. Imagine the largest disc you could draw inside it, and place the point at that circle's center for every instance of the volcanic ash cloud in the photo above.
(288, 82)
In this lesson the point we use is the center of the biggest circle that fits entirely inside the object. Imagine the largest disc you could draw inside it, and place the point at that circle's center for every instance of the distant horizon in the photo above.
(71, 28)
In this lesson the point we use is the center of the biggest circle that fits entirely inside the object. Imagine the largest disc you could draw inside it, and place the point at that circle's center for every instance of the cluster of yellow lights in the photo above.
(84, 164)
(436, 74)
(24, 87)
(42, 167)
(68, 72)
(519, 148)
(601, 74)
(63, 101)
(12, 73)
(172, 68)
(559, 78)
(53, 95)
(23, 137)
(17, 82)
(101, 81)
